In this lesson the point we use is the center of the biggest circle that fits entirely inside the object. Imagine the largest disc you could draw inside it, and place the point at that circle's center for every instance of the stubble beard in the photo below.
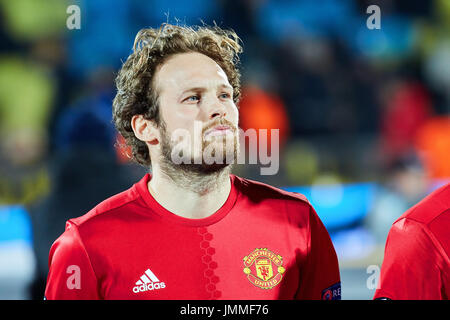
(198, 177)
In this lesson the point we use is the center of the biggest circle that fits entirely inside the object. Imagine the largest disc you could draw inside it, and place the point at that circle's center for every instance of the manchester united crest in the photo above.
(264, 268)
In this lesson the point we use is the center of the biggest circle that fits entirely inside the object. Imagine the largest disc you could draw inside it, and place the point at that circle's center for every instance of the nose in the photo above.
(217, 109)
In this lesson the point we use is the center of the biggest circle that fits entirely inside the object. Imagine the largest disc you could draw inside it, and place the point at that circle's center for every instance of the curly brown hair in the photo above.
(136, 93)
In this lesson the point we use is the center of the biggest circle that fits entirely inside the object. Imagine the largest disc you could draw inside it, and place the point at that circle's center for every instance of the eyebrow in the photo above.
(204, 89)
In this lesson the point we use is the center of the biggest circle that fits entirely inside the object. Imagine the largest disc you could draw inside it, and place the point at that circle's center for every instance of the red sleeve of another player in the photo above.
(410, 268)
(70, 275)
(319, 277)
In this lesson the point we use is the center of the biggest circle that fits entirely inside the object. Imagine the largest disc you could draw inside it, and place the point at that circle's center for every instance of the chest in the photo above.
(218, 262)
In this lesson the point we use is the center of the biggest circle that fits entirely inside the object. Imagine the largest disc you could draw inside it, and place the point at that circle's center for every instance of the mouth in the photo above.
(218, 131)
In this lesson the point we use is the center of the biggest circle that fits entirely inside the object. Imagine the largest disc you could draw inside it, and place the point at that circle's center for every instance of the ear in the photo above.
(145, 130)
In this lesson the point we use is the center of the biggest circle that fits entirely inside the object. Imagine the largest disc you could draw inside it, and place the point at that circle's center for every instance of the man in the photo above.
(190, 229)
(417, 256)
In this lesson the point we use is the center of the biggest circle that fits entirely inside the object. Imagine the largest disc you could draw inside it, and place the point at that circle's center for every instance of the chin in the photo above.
(205, 168)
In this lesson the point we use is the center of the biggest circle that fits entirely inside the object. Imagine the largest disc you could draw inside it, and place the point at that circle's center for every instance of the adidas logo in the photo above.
(148, 282)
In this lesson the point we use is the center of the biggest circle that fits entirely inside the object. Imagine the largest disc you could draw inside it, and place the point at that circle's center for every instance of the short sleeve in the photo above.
(319, 276)
(71, 276)
(410, 269)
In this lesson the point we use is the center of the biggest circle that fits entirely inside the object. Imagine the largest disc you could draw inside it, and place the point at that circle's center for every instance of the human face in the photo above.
(197, 110)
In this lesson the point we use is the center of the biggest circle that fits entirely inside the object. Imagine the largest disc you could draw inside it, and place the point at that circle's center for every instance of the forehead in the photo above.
(189, 70)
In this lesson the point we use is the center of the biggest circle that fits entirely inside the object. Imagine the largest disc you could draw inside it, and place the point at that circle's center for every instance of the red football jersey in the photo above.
(416, 261)
(263, 243)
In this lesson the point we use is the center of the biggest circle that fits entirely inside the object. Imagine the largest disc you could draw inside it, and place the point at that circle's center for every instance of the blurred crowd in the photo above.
(352, 104)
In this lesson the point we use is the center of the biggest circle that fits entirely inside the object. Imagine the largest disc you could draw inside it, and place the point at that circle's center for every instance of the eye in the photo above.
(225, 95)
(192, 98)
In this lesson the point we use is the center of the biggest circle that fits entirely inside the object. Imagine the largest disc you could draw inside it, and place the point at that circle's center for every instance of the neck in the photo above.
(190, 194)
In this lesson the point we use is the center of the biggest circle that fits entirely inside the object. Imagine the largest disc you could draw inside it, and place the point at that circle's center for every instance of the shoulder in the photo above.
(117, 205)
(433, 207)
(259, 191)
(427, 221)
(273, 202)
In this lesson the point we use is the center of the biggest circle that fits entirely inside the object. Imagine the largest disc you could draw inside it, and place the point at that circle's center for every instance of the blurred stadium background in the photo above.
(364, 115)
